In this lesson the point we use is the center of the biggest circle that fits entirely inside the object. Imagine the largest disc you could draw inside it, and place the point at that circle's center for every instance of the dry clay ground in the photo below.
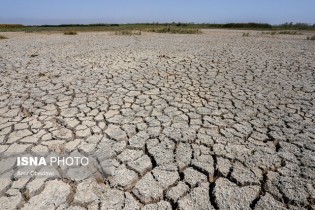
(210, 121)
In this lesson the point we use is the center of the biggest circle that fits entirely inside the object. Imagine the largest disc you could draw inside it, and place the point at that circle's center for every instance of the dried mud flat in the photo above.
(210, 121)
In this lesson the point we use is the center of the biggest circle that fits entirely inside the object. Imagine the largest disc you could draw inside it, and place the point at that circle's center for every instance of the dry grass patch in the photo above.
(127, 32)
(174, 30)
(311, 38)
(290, 32)
(70, 33)
(283, 33)
(3, 37)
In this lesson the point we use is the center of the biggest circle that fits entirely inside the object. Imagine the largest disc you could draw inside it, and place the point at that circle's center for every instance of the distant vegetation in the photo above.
(289, 32)
(127, 32)
(311, 38)
(246, 25)
(78, 25)
(270, 32)
(283, 32)
(3, 37)
(174, 30)
(155, 27)
(11, 26)
(296, 26)
(70, 33)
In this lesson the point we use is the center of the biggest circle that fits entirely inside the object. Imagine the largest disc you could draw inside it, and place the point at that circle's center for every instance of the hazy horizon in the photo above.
(170, 22)
(35, 12)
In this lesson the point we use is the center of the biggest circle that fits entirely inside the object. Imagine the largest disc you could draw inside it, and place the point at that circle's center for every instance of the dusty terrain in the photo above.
(210, 121)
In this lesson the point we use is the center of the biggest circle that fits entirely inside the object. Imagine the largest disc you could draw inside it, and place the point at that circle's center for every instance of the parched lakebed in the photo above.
(216, 120)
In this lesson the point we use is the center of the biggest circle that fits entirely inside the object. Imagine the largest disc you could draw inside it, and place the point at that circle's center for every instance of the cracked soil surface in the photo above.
(209, 121)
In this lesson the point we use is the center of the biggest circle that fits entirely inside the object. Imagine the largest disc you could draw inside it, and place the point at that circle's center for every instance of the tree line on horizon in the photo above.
(288, 25)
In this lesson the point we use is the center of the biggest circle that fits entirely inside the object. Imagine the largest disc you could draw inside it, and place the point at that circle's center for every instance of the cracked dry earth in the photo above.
(210, 121)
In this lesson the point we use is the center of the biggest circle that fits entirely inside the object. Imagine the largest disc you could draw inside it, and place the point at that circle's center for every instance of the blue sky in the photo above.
(131, 11)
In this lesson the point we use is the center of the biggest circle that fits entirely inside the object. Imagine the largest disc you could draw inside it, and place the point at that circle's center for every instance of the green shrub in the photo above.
(70, 33)
(3, 37)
